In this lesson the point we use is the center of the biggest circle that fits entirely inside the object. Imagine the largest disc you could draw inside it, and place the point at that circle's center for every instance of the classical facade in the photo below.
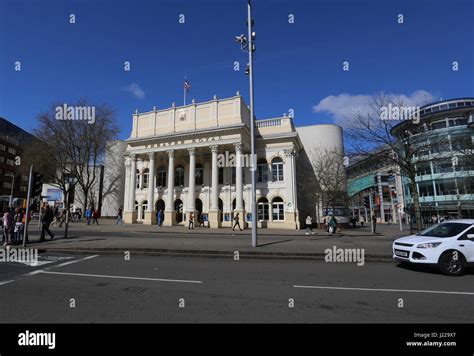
(184, 160)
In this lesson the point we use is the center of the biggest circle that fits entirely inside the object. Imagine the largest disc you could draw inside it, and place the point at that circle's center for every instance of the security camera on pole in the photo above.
(247, 45)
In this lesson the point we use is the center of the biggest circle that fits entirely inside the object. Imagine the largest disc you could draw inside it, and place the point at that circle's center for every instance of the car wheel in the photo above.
(452, 263)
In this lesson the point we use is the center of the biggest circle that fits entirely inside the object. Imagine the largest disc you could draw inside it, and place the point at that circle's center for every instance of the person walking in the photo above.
(374, 222)
(62, 217)
(332, 225)
(236, 222)
(48, 217)
(309, 224)
(159, 217)
(191, 221)
(326, 225)
(362, 220)
(6, 226)
(17, 226)
(119, 216)
(95, 217)
(88, 215)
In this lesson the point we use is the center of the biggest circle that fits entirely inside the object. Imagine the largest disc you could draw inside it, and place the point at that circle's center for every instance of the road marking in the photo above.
(386, 290)
(45, 270)
(75, 261)
(121, 277)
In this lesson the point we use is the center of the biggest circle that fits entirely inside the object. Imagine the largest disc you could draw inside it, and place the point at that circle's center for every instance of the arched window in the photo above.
(262, 170)
(146, 178)
(199, 174)
(277, 169)
(263, 209)
(137, 179)
(278, 209)
(161, 177)
(136, 207)
(179, 176)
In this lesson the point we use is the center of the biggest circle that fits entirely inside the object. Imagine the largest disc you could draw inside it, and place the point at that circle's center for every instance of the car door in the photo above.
(467, 245)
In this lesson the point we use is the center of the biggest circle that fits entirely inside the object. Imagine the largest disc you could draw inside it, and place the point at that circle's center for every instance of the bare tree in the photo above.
(371, 136)
(328, 167)
(75, 147)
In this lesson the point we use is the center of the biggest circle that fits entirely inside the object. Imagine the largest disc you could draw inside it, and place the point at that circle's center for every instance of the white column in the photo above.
(151, 182)
(169, 203)
(238, 177)
(290, 178)
(192, 177)
(215, 179)
(126, 194)
(133, 182)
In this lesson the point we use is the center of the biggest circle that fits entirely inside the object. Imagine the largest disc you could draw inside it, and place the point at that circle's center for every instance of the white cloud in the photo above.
(343, 106)
(135, 90)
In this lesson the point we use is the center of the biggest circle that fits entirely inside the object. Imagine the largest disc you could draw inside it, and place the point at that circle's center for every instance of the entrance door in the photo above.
(178, 207)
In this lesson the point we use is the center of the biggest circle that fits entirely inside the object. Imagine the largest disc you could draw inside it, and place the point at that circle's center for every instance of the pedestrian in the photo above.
(95, 217)
(17, 226)
(159, 217)
(191, 221)
(354, 221)
(88, 215)
(309, 224)
(119, 216)
(362, 220)
(326, 224)
(200, 220)
(374, 221)
(332, 224)
(62, 217)
(236, 222)
(46, 221)
(6, 226)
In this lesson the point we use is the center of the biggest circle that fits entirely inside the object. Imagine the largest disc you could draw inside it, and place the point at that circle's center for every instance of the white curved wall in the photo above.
(325, 136)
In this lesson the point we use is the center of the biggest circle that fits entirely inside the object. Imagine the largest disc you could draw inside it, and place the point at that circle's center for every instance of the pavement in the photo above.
(205, 242)
(90, 288)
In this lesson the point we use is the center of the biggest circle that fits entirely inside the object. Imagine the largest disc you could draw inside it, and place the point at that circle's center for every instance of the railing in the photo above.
(268, 123)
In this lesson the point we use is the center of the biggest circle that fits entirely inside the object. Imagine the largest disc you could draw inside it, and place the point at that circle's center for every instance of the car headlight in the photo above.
(429, 245)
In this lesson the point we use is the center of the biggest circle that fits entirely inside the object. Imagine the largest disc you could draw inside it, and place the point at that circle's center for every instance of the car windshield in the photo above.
(445, 230)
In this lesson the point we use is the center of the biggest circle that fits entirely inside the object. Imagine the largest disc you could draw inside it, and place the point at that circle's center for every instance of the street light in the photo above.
(247, 45)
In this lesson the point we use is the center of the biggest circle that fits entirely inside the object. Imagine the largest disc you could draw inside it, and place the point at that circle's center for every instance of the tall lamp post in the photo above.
(70, 183)
(247, 45)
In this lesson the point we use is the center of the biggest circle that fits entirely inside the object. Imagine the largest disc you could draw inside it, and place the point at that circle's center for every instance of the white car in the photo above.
(449, 245)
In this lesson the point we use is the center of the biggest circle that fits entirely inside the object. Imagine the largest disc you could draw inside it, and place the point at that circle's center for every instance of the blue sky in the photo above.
(298, 66)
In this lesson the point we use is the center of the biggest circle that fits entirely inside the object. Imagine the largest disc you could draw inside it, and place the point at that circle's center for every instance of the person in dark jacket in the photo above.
(48, 217)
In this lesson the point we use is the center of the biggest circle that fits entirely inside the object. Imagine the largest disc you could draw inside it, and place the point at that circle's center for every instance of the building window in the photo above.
(144, 208)
(262, 170)
(10, 162)
(199, 179)
(277, 169)
(2, 159)
(179, 177)
(11, 150)
(161, 177)
(3, 147)
(146, 177)
(278, 209)
(263, 209)
(137, 179)
(234, 179)
(7, 185)
(221, 175)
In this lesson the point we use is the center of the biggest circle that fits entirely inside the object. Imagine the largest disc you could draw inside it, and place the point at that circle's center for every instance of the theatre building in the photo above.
(186, 159)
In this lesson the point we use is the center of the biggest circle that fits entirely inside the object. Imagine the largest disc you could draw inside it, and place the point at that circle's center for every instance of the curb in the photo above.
(212, 254)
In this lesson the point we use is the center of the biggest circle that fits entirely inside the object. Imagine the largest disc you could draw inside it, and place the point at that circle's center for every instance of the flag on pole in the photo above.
(187, 86)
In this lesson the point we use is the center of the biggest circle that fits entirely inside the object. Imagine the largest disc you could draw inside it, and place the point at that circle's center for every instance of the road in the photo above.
(156, 289)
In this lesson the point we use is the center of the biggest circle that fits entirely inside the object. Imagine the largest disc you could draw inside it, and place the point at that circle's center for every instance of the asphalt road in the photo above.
(154, 289)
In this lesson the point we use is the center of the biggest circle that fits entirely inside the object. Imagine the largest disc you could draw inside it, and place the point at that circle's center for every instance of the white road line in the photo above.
(386, 290)
(122, 277)
(71, 262)
(45, 270)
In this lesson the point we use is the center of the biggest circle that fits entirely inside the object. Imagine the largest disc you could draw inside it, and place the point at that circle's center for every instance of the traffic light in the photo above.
(37, 184)
(366, 202)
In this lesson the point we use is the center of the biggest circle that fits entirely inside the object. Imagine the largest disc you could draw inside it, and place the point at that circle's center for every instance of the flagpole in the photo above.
(184, 86)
